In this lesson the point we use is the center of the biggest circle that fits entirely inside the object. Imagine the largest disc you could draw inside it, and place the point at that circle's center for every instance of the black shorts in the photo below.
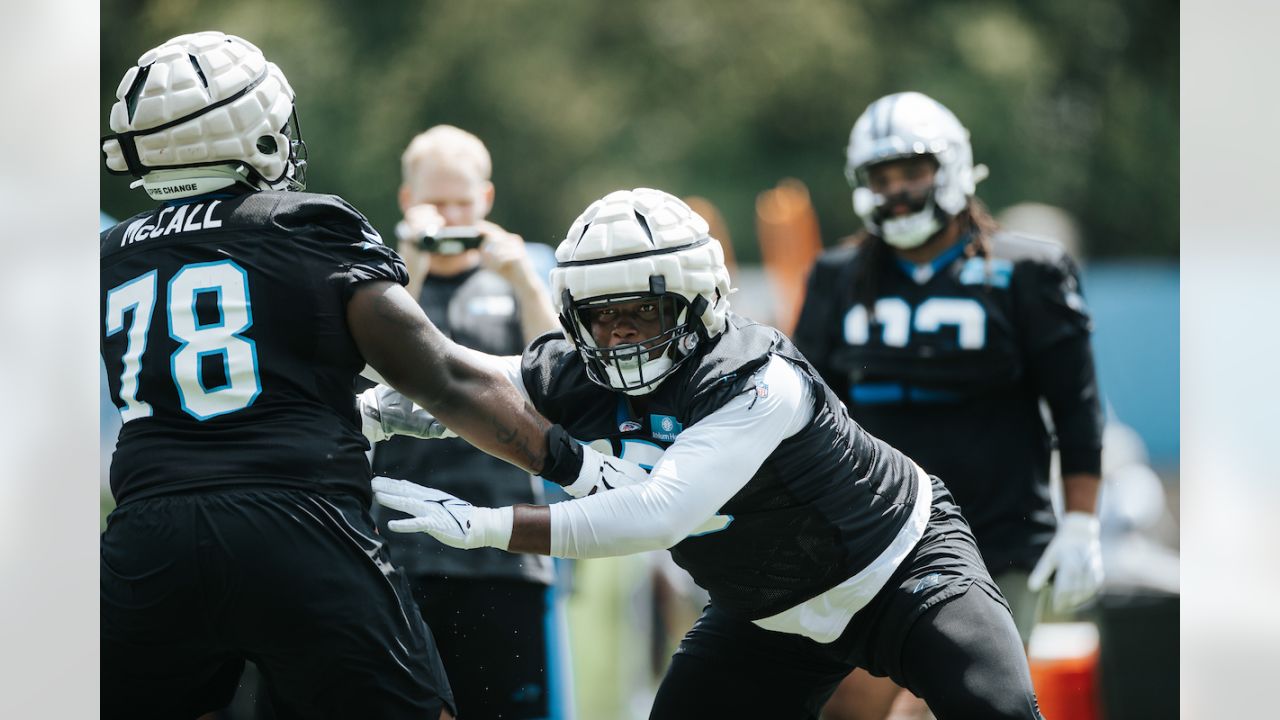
(495, 636)
(730, 667)
(193, 585)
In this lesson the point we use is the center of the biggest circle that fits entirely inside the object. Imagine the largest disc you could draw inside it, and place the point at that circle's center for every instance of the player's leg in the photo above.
(492, 635)
(941, 629)
(862, 696)
(157, 658)
(319, 608)
(1026, 605)
(731, 668)
(964, 657)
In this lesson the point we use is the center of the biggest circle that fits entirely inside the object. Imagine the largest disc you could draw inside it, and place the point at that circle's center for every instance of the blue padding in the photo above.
(876, 393)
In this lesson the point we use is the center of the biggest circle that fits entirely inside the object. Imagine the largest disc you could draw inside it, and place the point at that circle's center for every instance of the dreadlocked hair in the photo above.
(874, 253)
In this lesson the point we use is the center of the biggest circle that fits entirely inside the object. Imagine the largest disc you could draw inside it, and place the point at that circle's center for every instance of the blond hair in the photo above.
(445, 144)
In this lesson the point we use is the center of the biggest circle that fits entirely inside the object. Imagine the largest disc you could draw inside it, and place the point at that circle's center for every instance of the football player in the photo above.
(236, 315)
(493, 614)
(821, 547)
(941, 335)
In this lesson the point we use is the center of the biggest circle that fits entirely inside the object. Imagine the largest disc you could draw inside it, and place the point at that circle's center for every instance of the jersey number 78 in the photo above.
(226, 287)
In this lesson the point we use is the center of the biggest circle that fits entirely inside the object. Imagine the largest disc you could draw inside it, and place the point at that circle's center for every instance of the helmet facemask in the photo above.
(923, 218)
(905, 125)
(631, 246)
(635, 368)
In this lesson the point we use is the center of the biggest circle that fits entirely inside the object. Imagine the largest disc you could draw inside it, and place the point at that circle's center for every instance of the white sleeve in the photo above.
(509, 365)
(708, 463)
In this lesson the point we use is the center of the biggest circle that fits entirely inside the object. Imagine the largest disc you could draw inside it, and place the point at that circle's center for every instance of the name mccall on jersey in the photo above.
(171, 219)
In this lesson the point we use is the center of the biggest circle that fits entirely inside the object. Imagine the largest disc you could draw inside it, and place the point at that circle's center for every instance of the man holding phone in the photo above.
(495, 616)
(446, 195)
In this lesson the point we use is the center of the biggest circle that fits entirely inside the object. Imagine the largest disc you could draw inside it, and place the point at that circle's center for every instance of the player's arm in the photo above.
(385, 412)
(1061, 367)
(462, 388)
(1068, 382)
(813, 327)
(1057, 329)
(708, 463)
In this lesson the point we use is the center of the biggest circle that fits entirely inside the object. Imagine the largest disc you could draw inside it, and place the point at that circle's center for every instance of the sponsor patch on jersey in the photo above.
(975, 271)
(664, 427)
(629, 426)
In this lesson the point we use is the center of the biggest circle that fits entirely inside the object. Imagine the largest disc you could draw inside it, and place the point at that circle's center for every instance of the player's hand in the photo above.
(503, 252)
(385, 412)
(1074, 559)
(604, 472)
(452, 521)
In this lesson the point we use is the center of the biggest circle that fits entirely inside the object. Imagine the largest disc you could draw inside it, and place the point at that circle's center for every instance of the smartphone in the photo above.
(452, 240)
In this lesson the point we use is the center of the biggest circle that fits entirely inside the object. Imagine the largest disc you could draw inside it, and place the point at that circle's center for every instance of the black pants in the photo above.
(193, 585)
(492, 636)
(939, 628)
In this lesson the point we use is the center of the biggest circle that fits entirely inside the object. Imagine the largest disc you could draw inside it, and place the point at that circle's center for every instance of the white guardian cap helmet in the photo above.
(201, 112)
(902, 125)
(634, 245)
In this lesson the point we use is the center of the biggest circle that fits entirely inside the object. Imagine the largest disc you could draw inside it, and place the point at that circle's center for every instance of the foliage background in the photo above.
(1070, 102)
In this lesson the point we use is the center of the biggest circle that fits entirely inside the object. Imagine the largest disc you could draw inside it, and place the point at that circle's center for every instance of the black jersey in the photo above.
(951, 370)
(476, 309)
(226, 344)
(822, 507)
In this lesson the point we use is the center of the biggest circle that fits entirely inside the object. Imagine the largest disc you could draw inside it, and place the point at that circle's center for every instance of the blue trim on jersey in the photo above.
(124, 367)
(253, 346)
(946, 258)
(974, 271)
(195, 297)
(722, 528)
(182, 344)
(877, 393)
(636, 441)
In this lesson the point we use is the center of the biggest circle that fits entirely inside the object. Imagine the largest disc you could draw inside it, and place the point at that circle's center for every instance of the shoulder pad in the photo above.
(1019, 247)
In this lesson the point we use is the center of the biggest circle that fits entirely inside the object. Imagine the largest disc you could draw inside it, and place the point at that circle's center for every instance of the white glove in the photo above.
(604, 472)
(452, 521)
(1075, 553)
(385, 412)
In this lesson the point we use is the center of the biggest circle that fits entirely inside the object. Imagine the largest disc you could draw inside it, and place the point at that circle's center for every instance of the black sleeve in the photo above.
(543, 367)
(1055, 328)
(813, 333)
(345, 234)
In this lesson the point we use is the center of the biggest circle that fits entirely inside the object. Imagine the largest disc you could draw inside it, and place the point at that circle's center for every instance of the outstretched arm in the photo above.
(709, 463)
(460, 387)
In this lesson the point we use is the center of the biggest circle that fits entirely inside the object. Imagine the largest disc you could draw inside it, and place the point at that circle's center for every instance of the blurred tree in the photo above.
(1070, 102)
